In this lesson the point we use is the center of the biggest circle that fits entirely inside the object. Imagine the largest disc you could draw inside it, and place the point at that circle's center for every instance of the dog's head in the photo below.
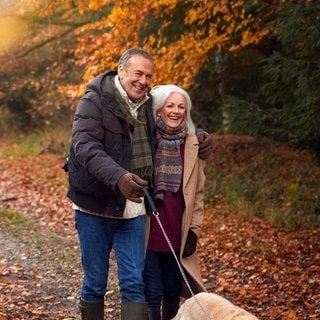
(209, 306)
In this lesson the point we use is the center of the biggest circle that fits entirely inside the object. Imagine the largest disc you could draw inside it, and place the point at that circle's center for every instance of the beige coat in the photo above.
(193, 192)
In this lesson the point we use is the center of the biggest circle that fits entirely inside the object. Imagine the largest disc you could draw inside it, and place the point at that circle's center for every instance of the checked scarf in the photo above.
(141, 161)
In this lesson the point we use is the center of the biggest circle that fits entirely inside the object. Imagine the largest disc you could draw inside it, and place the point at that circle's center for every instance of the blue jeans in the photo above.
(98, 236)
(162, 279)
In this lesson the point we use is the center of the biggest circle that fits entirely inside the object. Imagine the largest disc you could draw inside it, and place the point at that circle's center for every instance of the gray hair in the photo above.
(134, 52)
(161, 93)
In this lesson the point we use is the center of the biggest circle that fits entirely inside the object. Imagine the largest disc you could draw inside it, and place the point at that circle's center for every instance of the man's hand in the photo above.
(130, 186)
(205, 145)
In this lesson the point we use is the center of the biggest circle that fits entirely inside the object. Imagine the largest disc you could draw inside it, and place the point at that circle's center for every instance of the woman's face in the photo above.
(173, 111)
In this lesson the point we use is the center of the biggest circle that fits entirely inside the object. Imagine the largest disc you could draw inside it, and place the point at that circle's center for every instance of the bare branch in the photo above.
(43, 43)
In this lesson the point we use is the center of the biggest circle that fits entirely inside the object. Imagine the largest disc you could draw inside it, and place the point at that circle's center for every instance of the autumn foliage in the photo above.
(181, 35)
(252, 64)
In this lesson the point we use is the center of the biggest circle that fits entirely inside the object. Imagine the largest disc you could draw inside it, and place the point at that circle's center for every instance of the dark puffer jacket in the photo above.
(100, 151)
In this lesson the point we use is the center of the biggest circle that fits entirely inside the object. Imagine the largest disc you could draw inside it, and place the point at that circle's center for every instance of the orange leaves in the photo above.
(40, 182)
(92, 5)
(249, 37)
(224, 20)
(101, 43)
(270, 271)
(161, 7)
(182, 35)
(209, 26)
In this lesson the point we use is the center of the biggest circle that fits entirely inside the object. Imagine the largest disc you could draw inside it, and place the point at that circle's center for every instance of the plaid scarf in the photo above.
(141, 158)
(168, 163)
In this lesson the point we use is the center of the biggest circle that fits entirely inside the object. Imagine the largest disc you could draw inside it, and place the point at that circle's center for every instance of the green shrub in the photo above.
(278, 184)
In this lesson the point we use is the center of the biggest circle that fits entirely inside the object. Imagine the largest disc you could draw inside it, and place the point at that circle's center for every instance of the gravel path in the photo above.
(40, 277)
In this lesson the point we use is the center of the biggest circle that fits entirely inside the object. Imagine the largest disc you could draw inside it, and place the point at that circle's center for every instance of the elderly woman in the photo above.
(178, 192)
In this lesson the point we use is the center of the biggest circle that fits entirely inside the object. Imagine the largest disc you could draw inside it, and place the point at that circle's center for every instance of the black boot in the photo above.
(134, 311)
(91, 310)
(169, 310)
(154, 314)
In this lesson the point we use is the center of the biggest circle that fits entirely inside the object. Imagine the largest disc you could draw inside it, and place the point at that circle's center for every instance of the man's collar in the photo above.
(131, 104)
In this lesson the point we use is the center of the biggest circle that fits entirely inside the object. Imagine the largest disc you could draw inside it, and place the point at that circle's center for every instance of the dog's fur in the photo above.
(204, 304)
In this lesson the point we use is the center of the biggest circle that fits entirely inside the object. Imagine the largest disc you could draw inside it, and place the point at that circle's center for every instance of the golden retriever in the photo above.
(205, 306)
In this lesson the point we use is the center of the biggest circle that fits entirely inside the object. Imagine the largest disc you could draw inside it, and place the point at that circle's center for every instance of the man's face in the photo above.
(135, 78)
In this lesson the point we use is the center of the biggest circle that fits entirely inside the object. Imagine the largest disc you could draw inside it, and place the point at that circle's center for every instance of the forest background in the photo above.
(252, 69)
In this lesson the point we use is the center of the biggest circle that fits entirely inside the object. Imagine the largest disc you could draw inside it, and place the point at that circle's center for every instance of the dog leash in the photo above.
(155, 213)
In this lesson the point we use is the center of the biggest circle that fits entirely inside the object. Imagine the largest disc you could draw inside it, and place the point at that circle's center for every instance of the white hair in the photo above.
(161, 93)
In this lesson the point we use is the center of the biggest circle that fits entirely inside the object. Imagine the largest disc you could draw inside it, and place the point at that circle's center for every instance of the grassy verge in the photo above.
(15, 223)
(23, 230)
(270, 181)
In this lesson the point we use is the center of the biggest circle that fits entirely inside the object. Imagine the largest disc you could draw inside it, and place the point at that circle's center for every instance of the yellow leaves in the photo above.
(208, 26)
(95, 5)
(215, 25)
(50, 9)
(249, 37)
(82, 7)
(199, 15)
(118, 31)
(162, 6)
(182, 60)
(118, 13)
(151, 40)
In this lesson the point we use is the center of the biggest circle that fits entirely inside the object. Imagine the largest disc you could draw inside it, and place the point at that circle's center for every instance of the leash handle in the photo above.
(151, 203)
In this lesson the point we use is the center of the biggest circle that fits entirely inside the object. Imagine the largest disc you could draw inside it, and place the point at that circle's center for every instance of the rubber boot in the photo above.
(91, 310)
(134, 311)
(154, 314)
(169, 310)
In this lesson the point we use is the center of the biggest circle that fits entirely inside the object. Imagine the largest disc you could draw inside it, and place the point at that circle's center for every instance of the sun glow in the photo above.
(11, 27)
